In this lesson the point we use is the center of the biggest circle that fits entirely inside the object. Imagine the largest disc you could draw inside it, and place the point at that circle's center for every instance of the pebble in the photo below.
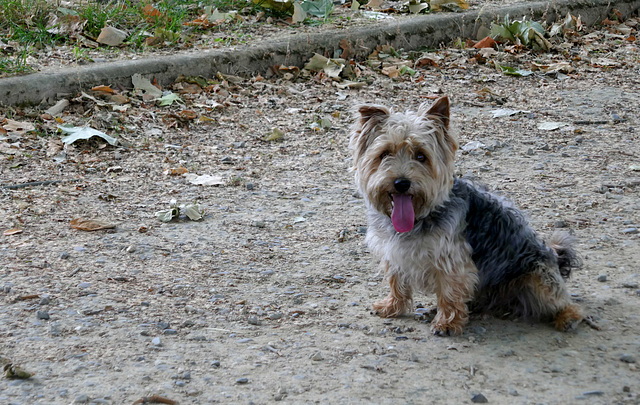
(64, 255)
(275, 316)
(215, 364)
(81, 399)
(317, 356)
(84, 285)
(169, 332)
(479, 399)
(611, 265)
(45, 300)
(42, 315)
(226, 160)
(249, 186)
(561, 223)
(242, 380)
(156, 341)
(602, 278)
(627, 358)
(253, 320)
(630, 285)
(593, 393)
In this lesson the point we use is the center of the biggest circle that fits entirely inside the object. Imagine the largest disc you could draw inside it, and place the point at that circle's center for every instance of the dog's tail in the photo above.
(563, 245)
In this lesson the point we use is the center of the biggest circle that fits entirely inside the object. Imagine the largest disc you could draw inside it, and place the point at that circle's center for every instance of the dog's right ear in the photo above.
(364, 131)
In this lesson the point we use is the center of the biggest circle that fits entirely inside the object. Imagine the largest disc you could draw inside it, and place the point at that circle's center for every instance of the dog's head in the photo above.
(403, 162)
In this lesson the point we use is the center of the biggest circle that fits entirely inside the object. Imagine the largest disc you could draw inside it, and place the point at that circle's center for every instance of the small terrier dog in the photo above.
(438, 234)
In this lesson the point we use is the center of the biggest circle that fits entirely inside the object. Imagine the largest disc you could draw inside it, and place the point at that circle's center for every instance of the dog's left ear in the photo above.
(439, 113)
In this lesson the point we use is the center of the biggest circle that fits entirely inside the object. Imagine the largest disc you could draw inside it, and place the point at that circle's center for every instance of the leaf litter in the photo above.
(270, 232)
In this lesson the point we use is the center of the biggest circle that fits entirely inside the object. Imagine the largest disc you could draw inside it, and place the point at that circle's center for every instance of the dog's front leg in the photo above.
(453, 290)
(398, 301)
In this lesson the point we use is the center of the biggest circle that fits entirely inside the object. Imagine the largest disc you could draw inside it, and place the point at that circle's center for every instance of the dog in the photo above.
(435, 233)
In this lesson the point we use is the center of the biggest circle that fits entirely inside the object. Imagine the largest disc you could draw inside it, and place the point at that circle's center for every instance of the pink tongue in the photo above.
(402, 216)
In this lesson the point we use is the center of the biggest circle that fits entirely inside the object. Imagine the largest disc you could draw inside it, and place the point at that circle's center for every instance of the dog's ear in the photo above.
(439, 113)
(364, 131)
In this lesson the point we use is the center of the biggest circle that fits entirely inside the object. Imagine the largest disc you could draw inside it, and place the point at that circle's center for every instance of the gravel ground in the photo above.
(268, 297)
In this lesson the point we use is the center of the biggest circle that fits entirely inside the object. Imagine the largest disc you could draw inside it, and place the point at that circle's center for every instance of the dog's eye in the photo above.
(421, 157)
(384, 155)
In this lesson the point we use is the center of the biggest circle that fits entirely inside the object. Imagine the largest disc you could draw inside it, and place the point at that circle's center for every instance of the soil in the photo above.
(268, 298)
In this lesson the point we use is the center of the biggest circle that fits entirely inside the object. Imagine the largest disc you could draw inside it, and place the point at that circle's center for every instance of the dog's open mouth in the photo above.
(402, 215)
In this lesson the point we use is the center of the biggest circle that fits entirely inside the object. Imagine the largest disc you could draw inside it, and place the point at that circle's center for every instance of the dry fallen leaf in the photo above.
(112, 36)
(18, 127)
(176, 171)
(13, 231)
(90, 224)
(103, 88)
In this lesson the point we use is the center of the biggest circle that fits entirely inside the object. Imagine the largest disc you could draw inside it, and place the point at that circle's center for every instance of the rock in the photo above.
(249, 186)
(602, 278)
(64, 255)
(242, 380)
(627, 358)
(163, 325)
(317, 356)
(45, 300)
(275, 316)
(156, 341)
(593, 393)
(630, 231)
(630, 285)
(513, 392)
(479, 399)
(561, 223)
(84, 285)
(215, 364)
(81, 399)
(42, 315)
(253, 320)
(169, 332)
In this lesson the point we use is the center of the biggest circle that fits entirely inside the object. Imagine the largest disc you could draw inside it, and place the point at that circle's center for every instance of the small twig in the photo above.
(35, 183)
(573, 183)
(589, 321)
(589, 122)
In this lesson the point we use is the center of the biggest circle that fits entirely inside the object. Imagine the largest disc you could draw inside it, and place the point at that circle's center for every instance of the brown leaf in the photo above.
(105, 89)
(151, 12)
(176, 171)
(188, 114)
(347, 51)
(486, 42)
(18, 126)
(90, 224)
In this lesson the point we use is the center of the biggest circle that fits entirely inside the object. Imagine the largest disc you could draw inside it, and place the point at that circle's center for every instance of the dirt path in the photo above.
(268, 298)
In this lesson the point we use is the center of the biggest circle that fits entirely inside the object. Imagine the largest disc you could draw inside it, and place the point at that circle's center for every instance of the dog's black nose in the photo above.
(402, 185)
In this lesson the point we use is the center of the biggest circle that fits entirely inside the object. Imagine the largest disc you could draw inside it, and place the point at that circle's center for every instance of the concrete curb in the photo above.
(410, 34)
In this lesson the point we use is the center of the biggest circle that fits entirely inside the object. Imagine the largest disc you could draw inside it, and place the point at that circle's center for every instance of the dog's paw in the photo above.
(568, 319)
(442, 329)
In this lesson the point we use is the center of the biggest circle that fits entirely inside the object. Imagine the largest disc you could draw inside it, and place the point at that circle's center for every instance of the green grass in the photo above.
(24, 24)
